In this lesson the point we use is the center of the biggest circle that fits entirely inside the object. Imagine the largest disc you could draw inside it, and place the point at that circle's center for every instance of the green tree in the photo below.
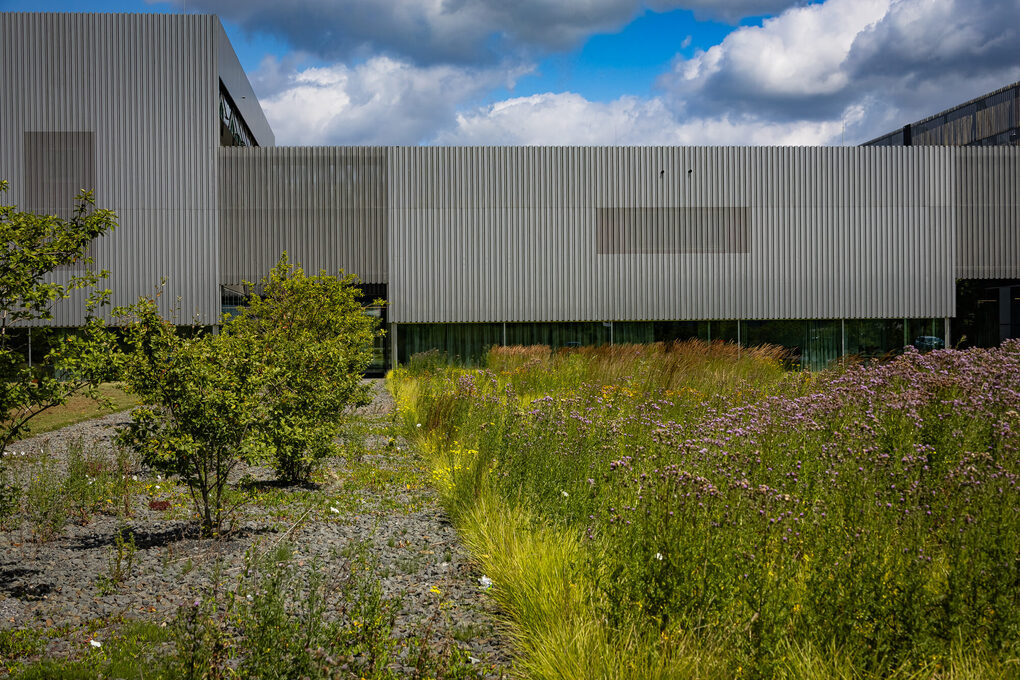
(204, 403)
(31, 284)
(320, 341)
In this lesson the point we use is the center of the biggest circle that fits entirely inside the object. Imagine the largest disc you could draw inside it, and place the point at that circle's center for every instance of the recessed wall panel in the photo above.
(987, 197)
(325, 206)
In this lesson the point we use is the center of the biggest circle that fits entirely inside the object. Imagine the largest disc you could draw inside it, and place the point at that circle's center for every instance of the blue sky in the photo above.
(604, 71)
(609, 65)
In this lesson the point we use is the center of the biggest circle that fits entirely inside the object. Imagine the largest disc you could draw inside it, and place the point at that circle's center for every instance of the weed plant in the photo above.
(45, 504)
(122, 555)
(862, 521)
(87, 482)
(49, 495)
(276, 621)
(10, 497)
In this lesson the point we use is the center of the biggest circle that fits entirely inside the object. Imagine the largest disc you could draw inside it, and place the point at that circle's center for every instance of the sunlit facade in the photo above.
(828, 251)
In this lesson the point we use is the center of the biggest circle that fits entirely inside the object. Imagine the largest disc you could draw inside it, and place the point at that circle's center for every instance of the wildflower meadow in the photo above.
(698, 510)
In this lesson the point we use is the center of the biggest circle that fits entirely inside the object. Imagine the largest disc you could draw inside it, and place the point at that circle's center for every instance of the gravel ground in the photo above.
(381, 502)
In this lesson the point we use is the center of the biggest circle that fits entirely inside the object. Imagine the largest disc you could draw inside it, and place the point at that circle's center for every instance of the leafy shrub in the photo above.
(204, 396)
(318, 341)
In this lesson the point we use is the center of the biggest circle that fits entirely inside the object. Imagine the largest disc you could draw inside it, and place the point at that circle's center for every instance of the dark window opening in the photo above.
(233, 130)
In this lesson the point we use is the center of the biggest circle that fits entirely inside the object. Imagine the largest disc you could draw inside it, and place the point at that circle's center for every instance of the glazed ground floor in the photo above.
(988, 311)
(813, 343)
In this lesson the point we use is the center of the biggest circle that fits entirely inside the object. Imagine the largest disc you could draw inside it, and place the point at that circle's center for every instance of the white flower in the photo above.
(418, 425)
(658, 556)
(333, 509)
(486, 582)
(96, 643)
(565, 494)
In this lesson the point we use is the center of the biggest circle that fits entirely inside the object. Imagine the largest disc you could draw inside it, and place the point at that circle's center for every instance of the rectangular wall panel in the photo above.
(325, 206)
(671, 230)
(513, 234)
(987, 185)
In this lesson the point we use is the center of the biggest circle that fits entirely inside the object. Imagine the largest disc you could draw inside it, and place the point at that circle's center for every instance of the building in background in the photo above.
(987, 300)
(828, 251)
(989, 120)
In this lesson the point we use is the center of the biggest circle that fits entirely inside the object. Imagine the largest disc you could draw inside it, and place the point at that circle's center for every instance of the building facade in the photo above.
(988, 304)
(128, 106)
(828, 251)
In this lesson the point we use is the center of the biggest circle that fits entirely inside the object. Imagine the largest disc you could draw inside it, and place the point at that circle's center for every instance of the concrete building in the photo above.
(829, 251)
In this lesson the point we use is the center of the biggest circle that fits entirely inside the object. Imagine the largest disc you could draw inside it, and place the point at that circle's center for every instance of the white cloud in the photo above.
(380, 101)
(425, 31)
(925, 39)
(875, 64)
(570, 119)
(790, 67)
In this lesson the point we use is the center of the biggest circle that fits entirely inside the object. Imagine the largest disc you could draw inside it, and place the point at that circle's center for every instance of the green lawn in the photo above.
(80, 408)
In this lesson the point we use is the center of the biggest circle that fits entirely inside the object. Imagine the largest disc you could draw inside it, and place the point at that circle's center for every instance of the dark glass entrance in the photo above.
(987, 312)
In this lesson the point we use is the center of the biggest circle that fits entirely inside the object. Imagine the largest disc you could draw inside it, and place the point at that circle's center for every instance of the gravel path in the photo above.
(377, 499)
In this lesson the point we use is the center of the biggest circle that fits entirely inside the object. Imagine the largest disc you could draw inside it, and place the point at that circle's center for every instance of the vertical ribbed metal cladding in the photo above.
(325, 206)
(987, 184)
(145, 86)
(511, 233)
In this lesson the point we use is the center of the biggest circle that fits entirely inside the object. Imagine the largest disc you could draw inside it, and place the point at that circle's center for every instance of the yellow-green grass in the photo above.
(541, 575)
(511, 491)
(541, 582)
(80, 408)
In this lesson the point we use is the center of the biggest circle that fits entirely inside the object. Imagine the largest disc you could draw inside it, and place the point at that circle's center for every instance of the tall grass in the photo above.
(776, 524)
(659, 366)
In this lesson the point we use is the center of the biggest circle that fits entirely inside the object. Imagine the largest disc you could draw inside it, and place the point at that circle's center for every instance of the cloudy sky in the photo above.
(604, 71)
